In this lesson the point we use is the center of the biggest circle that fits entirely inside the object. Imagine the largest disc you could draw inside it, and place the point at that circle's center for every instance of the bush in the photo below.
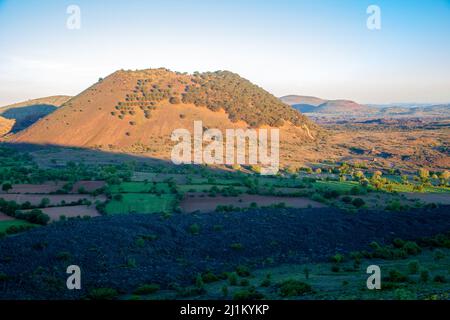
(337, 258)
(3, 277)
(232, 279)
(248, 294)
(237, 246)
(194, 229)
(438, 255)
(346, 199)
(358, 202)
(404, 294)
(35, 216)
(209, 277)
(397, 276)
(244, 283)
(103, 294)
(147, 289)
(439, 278)
(174, 100)
(243, 271)
(424, 275)
(293, 288)
(413, 267)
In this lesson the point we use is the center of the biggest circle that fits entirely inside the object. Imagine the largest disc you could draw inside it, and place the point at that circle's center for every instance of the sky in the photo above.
(319, 48)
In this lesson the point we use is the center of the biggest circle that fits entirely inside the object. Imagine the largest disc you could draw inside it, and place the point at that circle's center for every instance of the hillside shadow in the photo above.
(26, 116)
(54, 156)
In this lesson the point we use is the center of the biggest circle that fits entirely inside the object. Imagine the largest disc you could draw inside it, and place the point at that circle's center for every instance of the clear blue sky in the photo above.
(321, 47)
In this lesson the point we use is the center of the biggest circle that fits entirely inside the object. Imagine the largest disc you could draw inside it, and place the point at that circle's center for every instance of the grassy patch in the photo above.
(141, 203)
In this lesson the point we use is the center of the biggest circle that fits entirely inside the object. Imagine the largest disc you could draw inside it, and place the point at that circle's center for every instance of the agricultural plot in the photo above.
(141, 203)
(43, 188)
(88, 186)
(6, 224)
(205, 187)
(140, 187)
(340, 186)
(60, 199)
(426, 189)
(4, 217)
(55, 213)
(203, 203)
(439, 198)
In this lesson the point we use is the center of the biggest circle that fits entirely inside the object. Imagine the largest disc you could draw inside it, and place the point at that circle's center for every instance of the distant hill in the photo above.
(342, 107)
(435, 111)
(28, 112)
(136, 111)
(308, 104)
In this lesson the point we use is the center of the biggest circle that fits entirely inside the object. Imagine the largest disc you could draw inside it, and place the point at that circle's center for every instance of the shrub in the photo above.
(103, 294)
(174, 100)
(358, 202)
(438, 255)
(147, 289)
(225, 291)
(404, 294)
(199, 282)
(413, 267)
(243, 271)
(335, 268)
(292, 288)
(439, 278)
(397, 276)
(194, 229)
(346, 199)
(244, 283)
(3, 277)
(266, 282)
(248, 294)
(412, 248)
(232, 279)
(6, 187)
(337, 258)
(209, 277)
(118, 197)
(237, 246)
(63, 255)
(424, 275)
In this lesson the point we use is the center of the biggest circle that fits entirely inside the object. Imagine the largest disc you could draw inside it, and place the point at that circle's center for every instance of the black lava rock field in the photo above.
(126, 251)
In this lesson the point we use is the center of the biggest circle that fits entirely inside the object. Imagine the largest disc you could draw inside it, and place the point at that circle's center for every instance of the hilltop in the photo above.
(342, 107)
(28, 112)
(299, 102)
(309, 104)
(136, 111)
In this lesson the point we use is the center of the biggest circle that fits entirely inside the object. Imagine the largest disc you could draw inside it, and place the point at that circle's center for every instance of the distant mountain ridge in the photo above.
(317, 107)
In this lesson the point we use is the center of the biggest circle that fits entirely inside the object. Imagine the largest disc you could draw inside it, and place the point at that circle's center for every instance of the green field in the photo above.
(340, 186)
(204, 187)
(426, 189)
(140, 187)
(141, 203)
(4, 225)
